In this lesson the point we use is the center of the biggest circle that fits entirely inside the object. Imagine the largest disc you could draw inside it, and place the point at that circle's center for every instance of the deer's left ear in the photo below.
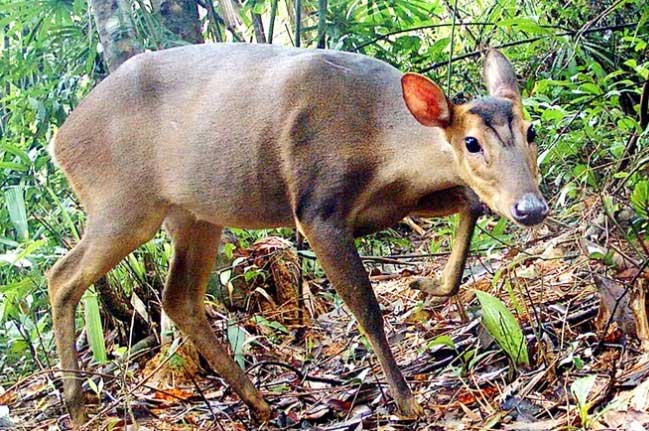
(500, 77)
(425, 100)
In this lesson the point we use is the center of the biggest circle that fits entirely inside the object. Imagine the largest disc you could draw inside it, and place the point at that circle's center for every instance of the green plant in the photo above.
(580, 389)
(503, 326)
(239, 339)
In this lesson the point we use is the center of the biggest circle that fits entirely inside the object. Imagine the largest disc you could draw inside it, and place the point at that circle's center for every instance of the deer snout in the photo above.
(530, 210)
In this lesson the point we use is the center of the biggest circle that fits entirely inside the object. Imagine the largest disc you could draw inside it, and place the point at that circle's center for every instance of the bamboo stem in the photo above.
(322, 23)
(298, 22)
(271, 25)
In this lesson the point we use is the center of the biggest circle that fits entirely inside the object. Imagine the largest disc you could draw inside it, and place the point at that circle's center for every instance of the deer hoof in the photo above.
(262, 413)
(75, 402)
(430, 286)
(78, 417)
(410, 408)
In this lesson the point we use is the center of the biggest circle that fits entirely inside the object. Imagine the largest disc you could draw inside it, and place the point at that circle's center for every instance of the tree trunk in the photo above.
(119, 42)
(298, 23)
(230, 14)
(181, 18)
(116, 31)
(322, 23)
(214, 19)
(257, 23)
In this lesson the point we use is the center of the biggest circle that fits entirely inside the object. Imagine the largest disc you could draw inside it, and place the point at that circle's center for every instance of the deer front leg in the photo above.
(334, 246)
(451, 278)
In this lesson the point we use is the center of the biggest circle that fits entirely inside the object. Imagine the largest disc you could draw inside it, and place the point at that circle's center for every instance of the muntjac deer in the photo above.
(255, 136)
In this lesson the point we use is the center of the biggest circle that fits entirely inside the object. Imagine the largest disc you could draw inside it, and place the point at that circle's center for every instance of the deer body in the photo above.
(254, 136)
(246, 135)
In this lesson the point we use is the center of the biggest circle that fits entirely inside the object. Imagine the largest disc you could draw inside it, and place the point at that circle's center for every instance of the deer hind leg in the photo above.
(195, 245)
(108, 239)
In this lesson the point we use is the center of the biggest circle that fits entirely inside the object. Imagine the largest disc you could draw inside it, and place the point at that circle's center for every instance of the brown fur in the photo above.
(207, 136)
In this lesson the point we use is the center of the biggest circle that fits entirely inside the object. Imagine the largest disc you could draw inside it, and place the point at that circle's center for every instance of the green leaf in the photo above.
(442, 340)
(94, 327)
(503, 326)
(17, 151)
(439, 46)
(64, 213)
(238, 338)
(553, 114)
(14, 166)
(15, 202)
(228, 249)
(525, 24)
(640, 198)
(589, 87)
(259, 7)
(273, 324)
(627, 124)
(581, 387)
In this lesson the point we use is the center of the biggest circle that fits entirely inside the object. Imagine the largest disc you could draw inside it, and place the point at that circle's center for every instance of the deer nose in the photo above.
(530, 210)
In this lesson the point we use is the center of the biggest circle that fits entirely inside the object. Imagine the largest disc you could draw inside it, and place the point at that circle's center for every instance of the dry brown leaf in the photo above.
(173, 395)
(629, 409)
(178, 370)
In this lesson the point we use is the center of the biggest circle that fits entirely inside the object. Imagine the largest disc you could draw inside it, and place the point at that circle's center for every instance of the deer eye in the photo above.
(472, 144)
(531, 135)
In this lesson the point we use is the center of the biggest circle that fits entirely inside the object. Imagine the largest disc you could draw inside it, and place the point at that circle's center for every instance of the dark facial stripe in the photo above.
(498, 135)
(495, 112)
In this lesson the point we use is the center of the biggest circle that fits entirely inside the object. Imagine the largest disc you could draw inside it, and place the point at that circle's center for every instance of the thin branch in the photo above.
(476, 53)
(301, 376)
(432, 26)
(450, 64)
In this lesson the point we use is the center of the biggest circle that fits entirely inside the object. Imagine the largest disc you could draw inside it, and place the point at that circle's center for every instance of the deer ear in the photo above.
(425, 100)
(500, 77)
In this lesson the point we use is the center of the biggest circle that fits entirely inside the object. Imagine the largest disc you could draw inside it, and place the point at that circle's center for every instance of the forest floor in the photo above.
(327, 379)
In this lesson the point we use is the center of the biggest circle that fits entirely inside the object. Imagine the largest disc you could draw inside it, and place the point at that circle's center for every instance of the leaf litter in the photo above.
(586, 369)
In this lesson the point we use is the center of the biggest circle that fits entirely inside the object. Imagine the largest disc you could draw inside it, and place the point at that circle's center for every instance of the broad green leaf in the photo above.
(17, 151)
(14, 166)
(15, 202)
(640, 198)
(581, 387)
(525, 24)
(503, 326)
(20, 258)
(591, 88)
(439, 46)
(273, 324)
(442, 340)
(238, 338)
(94, 327)
(553, 114)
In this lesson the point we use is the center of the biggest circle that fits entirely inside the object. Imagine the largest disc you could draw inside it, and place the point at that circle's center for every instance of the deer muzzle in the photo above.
(530, 210)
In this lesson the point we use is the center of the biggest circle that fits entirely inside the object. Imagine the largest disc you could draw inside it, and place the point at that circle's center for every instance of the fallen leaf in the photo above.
(173, 394)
